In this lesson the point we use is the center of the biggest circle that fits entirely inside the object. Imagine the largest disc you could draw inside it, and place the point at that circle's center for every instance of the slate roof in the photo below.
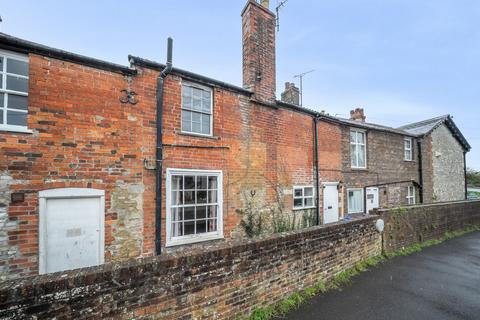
(425, 127)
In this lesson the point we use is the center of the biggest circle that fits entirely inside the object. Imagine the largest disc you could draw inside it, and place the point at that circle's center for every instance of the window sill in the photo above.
(192, 240)
(15, 129)
(189, 134)
(303, 208)
(359, 168)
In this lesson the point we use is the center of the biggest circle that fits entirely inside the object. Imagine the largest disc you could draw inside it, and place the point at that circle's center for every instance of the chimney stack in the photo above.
(291, 94)
(258, 36)
(357, 115)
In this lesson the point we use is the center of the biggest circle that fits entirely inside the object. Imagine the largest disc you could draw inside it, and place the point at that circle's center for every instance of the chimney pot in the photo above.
(357, 115)
(265, 4)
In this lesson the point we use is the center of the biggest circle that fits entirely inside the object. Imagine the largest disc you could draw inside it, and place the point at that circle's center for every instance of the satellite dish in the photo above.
(380, 225)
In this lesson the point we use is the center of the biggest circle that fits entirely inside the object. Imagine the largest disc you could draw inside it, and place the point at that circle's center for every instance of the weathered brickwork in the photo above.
(448, 166)
(410, 225)
(385, 168)
(222, 283)
(82, 137)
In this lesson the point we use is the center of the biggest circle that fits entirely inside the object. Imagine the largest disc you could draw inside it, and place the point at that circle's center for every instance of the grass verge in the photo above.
(344, 278)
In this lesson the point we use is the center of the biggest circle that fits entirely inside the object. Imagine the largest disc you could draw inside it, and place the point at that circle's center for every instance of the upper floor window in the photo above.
(194, 205)
(303, 197)
(408, 149)
(411, 195)
(358, 151)
(196, 109)
(13, 91)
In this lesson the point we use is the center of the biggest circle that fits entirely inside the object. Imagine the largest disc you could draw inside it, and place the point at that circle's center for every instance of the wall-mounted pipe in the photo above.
(159, 150)
(316, 166)
(420, 171)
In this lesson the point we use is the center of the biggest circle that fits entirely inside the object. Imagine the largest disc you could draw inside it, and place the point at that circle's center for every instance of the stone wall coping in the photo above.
(437, 204)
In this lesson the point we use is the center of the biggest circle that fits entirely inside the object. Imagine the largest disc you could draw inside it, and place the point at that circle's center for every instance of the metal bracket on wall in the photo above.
(129, 97)
(148, 165)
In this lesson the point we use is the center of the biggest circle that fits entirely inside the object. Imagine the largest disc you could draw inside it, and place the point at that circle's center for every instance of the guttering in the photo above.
(317, 176)
(159, 150)
(11, 43)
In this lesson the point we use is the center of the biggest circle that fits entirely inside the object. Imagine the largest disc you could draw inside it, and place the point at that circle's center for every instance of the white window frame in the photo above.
(3, 89)
(411, 195)
(201, 87)
(409, 150)
(194, 238)
(362, 210)
(355, 144)
(303, 197)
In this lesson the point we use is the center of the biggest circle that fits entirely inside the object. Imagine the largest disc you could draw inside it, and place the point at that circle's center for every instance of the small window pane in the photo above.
(186, 126)
(2, 96)
(177, 197)
(1, 64)
(308, 202)
(1, 116)
(212, 225)
(297, 202)
(17, 67)
(189, 213)
(190, 182)
(201, 226)
(177, 214)
(196, 127)
(212, 182)
(189, 197)
(17, 102)
(353, 155)
(177, 229)
(186, 115)
(212, 196)
(17, 118)
(298, 192)
(202, 182)
(1, 81)
(360, 137)
(201, 196)
(308, 192)
(201, 212)
(189, 227)
(205, 124)
(17, 84)
(212, 211)
(196, 104)
(177, 182)
(187, 91)
(353, 137)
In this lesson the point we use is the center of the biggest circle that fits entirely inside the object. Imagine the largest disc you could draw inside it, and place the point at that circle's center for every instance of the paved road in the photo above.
(440, 282)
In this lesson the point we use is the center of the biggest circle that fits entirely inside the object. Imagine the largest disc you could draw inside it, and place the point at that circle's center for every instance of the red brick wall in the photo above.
(83, 137)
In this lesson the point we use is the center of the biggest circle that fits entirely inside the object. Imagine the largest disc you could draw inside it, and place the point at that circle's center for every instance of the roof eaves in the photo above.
(134, 60)
(8, 42)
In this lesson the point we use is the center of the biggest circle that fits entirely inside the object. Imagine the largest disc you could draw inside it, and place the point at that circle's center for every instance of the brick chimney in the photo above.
(291, 94)
(357, 115)
(258, 36)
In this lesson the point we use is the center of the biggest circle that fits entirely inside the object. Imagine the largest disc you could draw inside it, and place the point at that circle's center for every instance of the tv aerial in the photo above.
(300, 76)
(277, 10)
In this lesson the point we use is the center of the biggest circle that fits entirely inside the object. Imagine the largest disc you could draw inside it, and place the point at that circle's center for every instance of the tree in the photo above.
(473, 177)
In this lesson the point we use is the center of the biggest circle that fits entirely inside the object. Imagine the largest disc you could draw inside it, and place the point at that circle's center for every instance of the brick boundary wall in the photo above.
(226, 282)
(409, 225)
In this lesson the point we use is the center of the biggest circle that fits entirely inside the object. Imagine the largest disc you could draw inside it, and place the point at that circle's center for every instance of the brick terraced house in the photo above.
(100, 162)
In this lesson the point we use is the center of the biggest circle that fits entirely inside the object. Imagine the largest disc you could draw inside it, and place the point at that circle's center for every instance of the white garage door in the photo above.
(71, 229)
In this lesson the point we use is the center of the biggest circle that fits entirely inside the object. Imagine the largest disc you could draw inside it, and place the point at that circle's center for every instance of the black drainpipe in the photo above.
(420, 171)
(465, 173)
(159, 152)
(317, 182)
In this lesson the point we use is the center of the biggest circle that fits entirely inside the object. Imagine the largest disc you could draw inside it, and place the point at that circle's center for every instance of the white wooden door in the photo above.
(330, 202)
(372, 198)
(71, 229)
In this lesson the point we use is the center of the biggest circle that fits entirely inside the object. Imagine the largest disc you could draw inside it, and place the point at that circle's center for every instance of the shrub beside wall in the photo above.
(410, 225)
(226, 282)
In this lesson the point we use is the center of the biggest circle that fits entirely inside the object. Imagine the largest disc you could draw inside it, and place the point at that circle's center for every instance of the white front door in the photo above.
(71, 229)
(372, 198)
(330, 202)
